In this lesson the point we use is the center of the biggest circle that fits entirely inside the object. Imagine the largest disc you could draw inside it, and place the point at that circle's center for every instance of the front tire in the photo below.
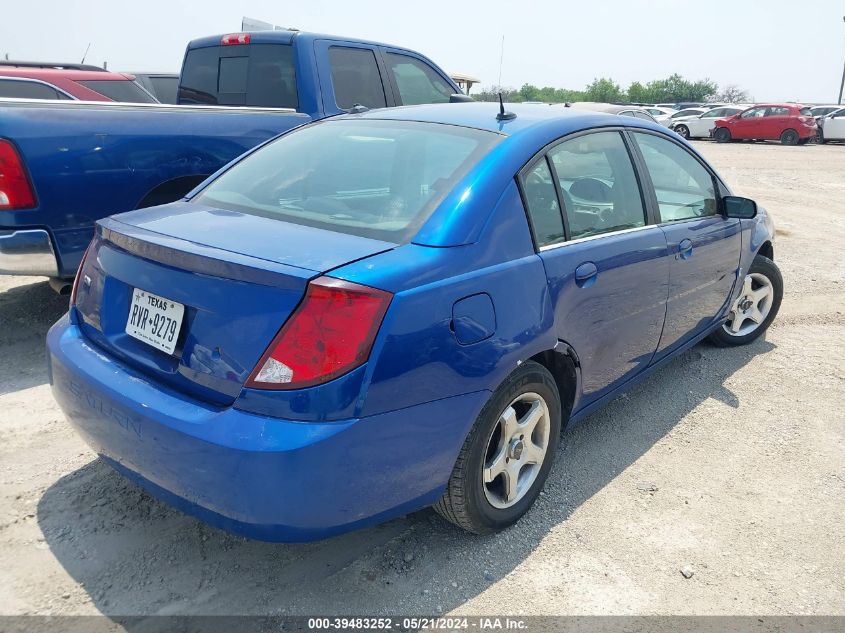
(683, 130)
(722, 135)
(756, 306)
(507, 455)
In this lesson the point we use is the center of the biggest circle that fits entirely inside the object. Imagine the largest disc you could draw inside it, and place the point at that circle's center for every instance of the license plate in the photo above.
(154, 320)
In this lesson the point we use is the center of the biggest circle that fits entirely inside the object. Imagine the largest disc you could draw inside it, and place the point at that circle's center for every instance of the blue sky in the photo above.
(776, 49)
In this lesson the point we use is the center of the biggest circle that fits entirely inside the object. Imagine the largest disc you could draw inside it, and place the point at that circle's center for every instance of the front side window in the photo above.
(355, 78)
(754, 113)
(684, 188)
(373, 178)
(599, 186)
(542, 205)
(416, 81)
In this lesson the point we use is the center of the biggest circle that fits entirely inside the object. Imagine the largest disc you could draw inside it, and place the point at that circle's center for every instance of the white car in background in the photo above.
(832, 127)
(701, 125)
(658, 111)
(668, 119)
(821, 111)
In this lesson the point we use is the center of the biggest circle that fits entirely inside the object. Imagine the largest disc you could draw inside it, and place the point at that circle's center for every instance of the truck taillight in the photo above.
(234, 39)
(329, 334)
(15, 189)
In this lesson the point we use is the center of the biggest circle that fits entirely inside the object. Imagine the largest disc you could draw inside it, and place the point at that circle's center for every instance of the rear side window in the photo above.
(260, 75)
(542, 205)
(416, 81)
(378, 179)
(599, 185)
(777, 112)
(16, 89)
(684, 188)
(117, 90)
(356, 78)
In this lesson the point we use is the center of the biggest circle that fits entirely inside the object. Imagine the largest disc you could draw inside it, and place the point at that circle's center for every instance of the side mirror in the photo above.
(460, 98)
(737, 207)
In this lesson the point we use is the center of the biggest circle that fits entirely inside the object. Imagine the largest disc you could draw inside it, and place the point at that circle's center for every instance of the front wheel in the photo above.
(507, 455)
(683, 130)
(722, 135)
(755, 307)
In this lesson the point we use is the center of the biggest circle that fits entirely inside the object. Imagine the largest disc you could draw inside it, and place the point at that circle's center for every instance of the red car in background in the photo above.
(34, 80)
(789, 123)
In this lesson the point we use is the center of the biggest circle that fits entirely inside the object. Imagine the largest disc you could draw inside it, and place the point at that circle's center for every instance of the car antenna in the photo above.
(503, 115)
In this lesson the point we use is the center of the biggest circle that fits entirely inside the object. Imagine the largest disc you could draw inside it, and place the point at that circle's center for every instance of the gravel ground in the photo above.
(728, 466)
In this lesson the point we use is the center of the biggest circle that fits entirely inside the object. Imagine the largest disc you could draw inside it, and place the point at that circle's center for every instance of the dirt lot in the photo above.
(731, 462)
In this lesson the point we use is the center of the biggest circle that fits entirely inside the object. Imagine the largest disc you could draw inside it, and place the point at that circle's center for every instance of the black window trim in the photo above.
(69, 96)
(649, 206)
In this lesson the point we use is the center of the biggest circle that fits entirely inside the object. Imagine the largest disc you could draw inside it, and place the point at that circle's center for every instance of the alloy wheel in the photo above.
(753, 305)
(516, 450)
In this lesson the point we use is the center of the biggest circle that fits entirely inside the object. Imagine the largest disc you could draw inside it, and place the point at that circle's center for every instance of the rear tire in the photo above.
(789, 137)
(722, 135)
(478, 496)
(683, 130)
(756, 306)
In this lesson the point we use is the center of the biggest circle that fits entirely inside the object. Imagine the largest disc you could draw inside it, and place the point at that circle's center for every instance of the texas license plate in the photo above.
(154, 320)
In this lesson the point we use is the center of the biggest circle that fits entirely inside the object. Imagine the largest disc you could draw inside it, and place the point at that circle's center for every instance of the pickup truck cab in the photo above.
(64, 165)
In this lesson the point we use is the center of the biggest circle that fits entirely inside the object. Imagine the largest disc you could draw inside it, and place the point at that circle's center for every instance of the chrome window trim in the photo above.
(38, 81)
(597, 236)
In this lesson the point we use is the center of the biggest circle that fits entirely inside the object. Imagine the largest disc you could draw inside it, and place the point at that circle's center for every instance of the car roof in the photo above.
(283, 36)
(48, 74)
(482, 115)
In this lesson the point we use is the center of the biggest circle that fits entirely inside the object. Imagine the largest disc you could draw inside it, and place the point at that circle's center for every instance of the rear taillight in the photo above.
(329, 334)
(15, 189)
(75, 285)
(234, 39)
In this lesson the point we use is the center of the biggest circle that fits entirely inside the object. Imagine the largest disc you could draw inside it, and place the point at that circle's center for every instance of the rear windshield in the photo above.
(259, 75)
(124, 91)
(377, 179)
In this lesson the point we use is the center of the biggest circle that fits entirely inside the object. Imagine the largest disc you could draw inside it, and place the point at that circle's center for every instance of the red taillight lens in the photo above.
(15, 190)
(329, 334)
(235, 38)
(75, 285)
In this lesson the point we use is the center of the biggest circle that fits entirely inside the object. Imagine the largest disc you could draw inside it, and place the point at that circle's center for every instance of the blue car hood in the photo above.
(305, 247)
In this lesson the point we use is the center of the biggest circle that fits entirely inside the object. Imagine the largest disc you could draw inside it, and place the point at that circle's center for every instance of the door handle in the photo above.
(586, 274)
(685, 249)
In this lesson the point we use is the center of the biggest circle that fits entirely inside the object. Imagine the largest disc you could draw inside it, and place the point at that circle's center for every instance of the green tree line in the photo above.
(673, 89)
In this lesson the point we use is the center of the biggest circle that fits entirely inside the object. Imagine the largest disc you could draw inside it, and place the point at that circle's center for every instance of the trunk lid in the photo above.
(238, 277)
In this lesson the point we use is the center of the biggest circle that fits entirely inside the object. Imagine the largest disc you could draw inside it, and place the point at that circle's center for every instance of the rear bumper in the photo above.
(27, 252)
(262, 477)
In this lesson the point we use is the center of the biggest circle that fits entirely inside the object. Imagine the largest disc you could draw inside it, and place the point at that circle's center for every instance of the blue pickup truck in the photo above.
(64, 165)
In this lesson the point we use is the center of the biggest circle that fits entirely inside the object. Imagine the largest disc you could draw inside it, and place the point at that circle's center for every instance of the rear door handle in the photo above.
(685, 249)
(586, 274)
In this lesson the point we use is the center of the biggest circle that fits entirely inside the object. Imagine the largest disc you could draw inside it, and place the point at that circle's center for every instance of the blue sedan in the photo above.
(401, 308)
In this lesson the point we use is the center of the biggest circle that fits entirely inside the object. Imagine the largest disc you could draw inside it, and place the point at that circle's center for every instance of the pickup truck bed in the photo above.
(88, 160)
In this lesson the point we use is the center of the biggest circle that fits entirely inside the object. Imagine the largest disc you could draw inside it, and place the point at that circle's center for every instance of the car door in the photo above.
(702, 125)
(748, 124)
(834, 125)
(607, 267)
(774, 122)
(704, 245)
